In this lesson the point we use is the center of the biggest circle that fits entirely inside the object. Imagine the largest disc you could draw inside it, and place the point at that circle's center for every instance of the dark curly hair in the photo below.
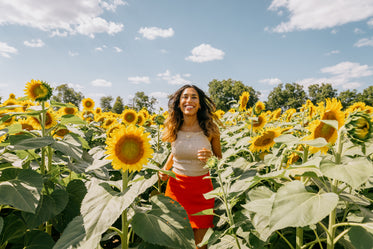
(205, 115)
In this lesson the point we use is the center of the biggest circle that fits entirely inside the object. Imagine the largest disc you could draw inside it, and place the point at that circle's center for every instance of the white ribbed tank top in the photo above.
(184, 150)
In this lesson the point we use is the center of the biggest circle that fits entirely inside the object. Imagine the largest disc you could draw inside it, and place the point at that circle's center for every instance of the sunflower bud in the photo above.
(38, 90)
(359, 127)
(212, 162)
(159, 119)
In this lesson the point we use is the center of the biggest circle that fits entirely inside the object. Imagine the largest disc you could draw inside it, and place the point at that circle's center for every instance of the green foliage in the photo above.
(319, 93)
(142, 101)
(292, 96)
(66, 94)
(105, 103)
(118, 106)
(227, 92)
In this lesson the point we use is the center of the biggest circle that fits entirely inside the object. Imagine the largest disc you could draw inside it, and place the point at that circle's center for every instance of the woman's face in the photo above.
(189, 102)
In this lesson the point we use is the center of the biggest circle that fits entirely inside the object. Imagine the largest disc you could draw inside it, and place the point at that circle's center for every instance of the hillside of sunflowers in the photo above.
(73, 178)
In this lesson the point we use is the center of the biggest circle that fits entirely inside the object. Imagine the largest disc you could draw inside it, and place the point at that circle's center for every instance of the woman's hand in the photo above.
(204, 154)
(163, 176)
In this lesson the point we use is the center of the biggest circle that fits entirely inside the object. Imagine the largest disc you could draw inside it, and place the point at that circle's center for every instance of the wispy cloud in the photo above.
(152, 33)
(333, 52)
(68, 17)
(101, 83)
(6, 50)
(176, 79)
(139, 79)
(34, 43)
(271, 81)
(364, 42)
(71, 53)
(320, 14)
(101, 48)
(205, 52)
(118, 50)
(345, 74)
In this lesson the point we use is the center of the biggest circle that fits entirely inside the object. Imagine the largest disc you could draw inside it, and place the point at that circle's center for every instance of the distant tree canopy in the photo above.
(118, 106)
(105, 103)
(141, 100)
(319, 93)
(292, 96)
(66, 94)
(224, 93)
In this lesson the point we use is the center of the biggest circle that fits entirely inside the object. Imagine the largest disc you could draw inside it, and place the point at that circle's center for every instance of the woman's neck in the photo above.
(190, 123)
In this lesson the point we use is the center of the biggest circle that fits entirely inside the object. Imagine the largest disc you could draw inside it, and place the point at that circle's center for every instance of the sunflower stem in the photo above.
(299, 238)
(124, 233)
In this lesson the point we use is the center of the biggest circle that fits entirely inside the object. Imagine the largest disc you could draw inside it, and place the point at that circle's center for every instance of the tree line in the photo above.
(225, 93)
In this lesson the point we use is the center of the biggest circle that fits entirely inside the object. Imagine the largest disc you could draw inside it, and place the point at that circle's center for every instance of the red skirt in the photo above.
(188, 191)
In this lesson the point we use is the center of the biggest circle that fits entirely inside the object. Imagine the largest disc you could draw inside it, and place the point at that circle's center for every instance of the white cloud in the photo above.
(76, 87)
(271, 81)
(139, 79)
(34, 43)
(112, 6)
(176, 79)
(60, 18)
(321, 14)
(364, 42)
(152, 33)
(205, 52)
(341, 74)
(101, 83)
(118, 50)
(358, 31)
(6, 50)
(100, 49)
(73, 53)
(370, 22)
(333, 52)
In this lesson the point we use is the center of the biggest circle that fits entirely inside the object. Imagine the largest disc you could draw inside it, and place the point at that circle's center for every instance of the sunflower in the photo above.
(88, 104)
(38, 90)
(27, 124)
(129, 116)
(100, 118)
(140, 119)
(61, 132)
(359, 127)
(113, 128)
(108, 122)
(276, 114)
(12, 96)
(289, 114)
(87, 115)
(11, 104)
(98, 110)
(219, 114)
(332, 111)
(259, 107)
(50, 120)
(145, 113)
(129, 149)
(66, 110)
(232, 110)
(244, 98)
(265, 141)
(259, 123)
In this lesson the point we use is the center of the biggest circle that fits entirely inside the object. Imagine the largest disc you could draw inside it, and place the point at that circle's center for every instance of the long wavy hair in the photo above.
(205, 115)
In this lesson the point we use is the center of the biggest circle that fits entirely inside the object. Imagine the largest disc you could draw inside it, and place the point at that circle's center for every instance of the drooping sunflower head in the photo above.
(67, 110)
(129, 116)
(259, 107)
(359, 127)
(61, 132)
(265, 141)
(88, 104)
(333, 111)
(244, 98)
(50, 120)
(259, 123)
(357, 106)
(38, 90)
(129, 149)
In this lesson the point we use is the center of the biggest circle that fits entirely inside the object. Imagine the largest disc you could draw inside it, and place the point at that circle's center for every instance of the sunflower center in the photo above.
(69, 110)
(257, 123)
(325, 131)
(27, 127)
(129, 117)
(130, 149)
(48, 119)
(39, 91)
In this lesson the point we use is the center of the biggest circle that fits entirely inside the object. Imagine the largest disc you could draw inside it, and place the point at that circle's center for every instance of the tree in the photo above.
(319, 93)
(225, 92)
(141, 101)
(118, 105)
(293, 96)
(367, 96)
(105, 103)
(66, 94)
(348, 97)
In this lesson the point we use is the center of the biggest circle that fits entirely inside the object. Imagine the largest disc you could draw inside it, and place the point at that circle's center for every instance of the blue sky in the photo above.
(118, 47)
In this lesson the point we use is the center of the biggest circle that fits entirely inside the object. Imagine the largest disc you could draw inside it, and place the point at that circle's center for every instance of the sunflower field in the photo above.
(88, 179)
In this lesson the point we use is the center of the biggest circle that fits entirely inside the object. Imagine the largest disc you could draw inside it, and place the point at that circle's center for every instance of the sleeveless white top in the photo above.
(185, 149)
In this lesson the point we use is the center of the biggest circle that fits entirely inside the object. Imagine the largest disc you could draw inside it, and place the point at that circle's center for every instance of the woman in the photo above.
(194, 138)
